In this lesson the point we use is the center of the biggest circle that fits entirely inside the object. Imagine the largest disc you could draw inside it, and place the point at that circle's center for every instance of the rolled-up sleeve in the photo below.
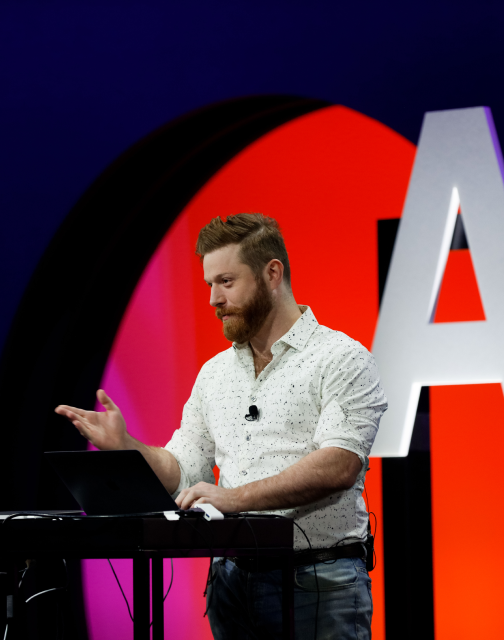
(192, 446)
(353, 402)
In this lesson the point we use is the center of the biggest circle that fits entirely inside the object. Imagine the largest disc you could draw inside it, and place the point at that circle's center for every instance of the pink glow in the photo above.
(106, 612)
(149, 375)
(152, 365)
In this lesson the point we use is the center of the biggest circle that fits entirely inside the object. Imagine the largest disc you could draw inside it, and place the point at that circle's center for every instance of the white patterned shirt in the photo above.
(321, 389)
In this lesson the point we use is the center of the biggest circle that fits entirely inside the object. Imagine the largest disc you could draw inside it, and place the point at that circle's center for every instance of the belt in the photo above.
(306, 557)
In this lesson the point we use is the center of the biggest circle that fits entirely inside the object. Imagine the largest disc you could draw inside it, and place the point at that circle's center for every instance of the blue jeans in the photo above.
(248, 605)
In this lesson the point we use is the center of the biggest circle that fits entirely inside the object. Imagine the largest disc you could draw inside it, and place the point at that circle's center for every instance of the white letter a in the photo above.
(458, 161)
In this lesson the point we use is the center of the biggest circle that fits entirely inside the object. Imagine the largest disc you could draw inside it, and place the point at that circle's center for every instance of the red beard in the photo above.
(245, 322)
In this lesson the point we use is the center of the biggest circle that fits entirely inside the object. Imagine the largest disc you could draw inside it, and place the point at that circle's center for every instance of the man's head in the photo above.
(246, 264)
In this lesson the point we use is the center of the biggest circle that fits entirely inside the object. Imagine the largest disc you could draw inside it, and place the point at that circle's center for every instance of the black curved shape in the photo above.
(65, 325)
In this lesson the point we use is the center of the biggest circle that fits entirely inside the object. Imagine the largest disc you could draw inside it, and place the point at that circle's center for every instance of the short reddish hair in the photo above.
(259, 237)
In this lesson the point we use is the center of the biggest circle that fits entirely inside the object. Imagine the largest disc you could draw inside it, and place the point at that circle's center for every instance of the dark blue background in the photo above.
(82, 81)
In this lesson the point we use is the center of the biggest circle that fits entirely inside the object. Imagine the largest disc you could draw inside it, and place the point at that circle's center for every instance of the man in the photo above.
(302, 452)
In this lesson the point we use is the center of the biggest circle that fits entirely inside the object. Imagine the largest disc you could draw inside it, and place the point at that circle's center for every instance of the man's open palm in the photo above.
(105, 429)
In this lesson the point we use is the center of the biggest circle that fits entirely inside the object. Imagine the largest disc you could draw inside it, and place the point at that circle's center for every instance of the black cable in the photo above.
(6, 573)
(167, 592)
(35, 595)
(124, 596)
(22, 577)
(337, 544)
(23, 514)
(210, 548)
(316, 578)
(40, 593)
(371, 513)
(209, 583)
(171, 581)
(367, 498)
(255, 541)
(59, 611)
(210, 577)
(241, 514)
(126, 599)
(245, 517)
(259, 515)
(82, 516)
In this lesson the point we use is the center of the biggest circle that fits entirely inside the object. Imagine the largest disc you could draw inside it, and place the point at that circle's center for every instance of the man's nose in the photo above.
(216, 296)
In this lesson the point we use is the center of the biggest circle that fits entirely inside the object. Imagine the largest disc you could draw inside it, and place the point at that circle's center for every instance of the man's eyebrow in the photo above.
(220, 276)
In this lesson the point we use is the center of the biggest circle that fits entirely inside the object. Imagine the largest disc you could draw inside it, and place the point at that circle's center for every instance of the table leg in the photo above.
(157, 598)
(141, 597)
(288, 599)
(12, 603)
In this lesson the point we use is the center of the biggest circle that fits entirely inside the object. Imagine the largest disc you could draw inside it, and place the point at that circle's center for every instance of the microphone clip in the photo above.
(253, 414)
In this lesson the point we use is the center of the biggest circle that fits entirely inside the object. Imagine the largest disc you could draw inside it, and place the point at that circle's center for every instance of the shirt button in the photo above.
(253, 399)
(248, 437)
(244, 473)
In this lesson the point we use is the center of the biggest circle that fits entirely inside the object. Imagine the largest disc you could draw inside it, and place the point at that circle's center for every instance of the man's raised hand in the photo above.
(105, 429)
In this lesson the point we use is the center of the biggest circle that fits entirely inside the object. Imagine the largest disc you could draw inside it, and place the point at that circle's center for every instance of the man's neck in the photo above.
(279, 322)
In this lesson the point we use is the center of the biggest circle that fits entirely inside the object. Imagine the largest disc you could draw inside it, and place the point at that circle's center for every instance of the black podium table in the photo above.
(146, 541)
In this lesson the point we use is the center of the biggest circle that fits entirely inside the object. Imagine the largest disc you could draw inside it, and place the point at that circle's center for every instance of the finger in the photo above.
(105, 400)
(203, 486)
(70, 415)
(63, 410)
(82, 429)
(181, 496)
(186, 501)
(189, 499)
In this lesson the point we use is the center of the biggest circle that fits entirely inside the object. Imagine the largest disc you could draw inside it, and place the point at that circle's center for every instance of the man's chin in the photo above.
(234, 333)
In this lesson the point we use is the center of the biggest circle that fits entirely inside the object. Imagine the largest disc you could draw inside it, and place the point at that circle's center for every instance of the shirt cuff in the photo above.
(184, 480)
(194, 466)
(342, 443)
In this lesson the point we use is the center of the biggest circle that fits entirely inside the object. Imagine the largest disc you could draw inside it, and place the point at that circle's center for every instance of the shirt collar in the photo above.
(301, 331)
(297, 336)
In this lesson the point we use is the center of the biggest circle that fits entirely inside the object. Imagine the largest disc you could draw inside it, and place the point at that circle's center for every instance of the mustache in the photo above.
(227, 311)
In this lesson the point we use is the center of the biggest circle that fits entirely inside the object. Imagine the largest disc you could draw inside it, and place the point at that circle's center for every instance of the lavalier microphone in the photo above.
(253, 413)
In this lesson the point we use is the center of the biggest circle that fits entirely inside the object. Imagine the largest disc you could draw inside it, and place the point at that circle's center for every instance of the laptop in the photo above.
(111, 483)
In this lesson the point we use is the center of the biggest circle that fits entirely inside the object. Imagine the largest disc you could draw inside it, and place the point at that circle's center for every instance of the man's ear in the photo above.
(274, 272)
